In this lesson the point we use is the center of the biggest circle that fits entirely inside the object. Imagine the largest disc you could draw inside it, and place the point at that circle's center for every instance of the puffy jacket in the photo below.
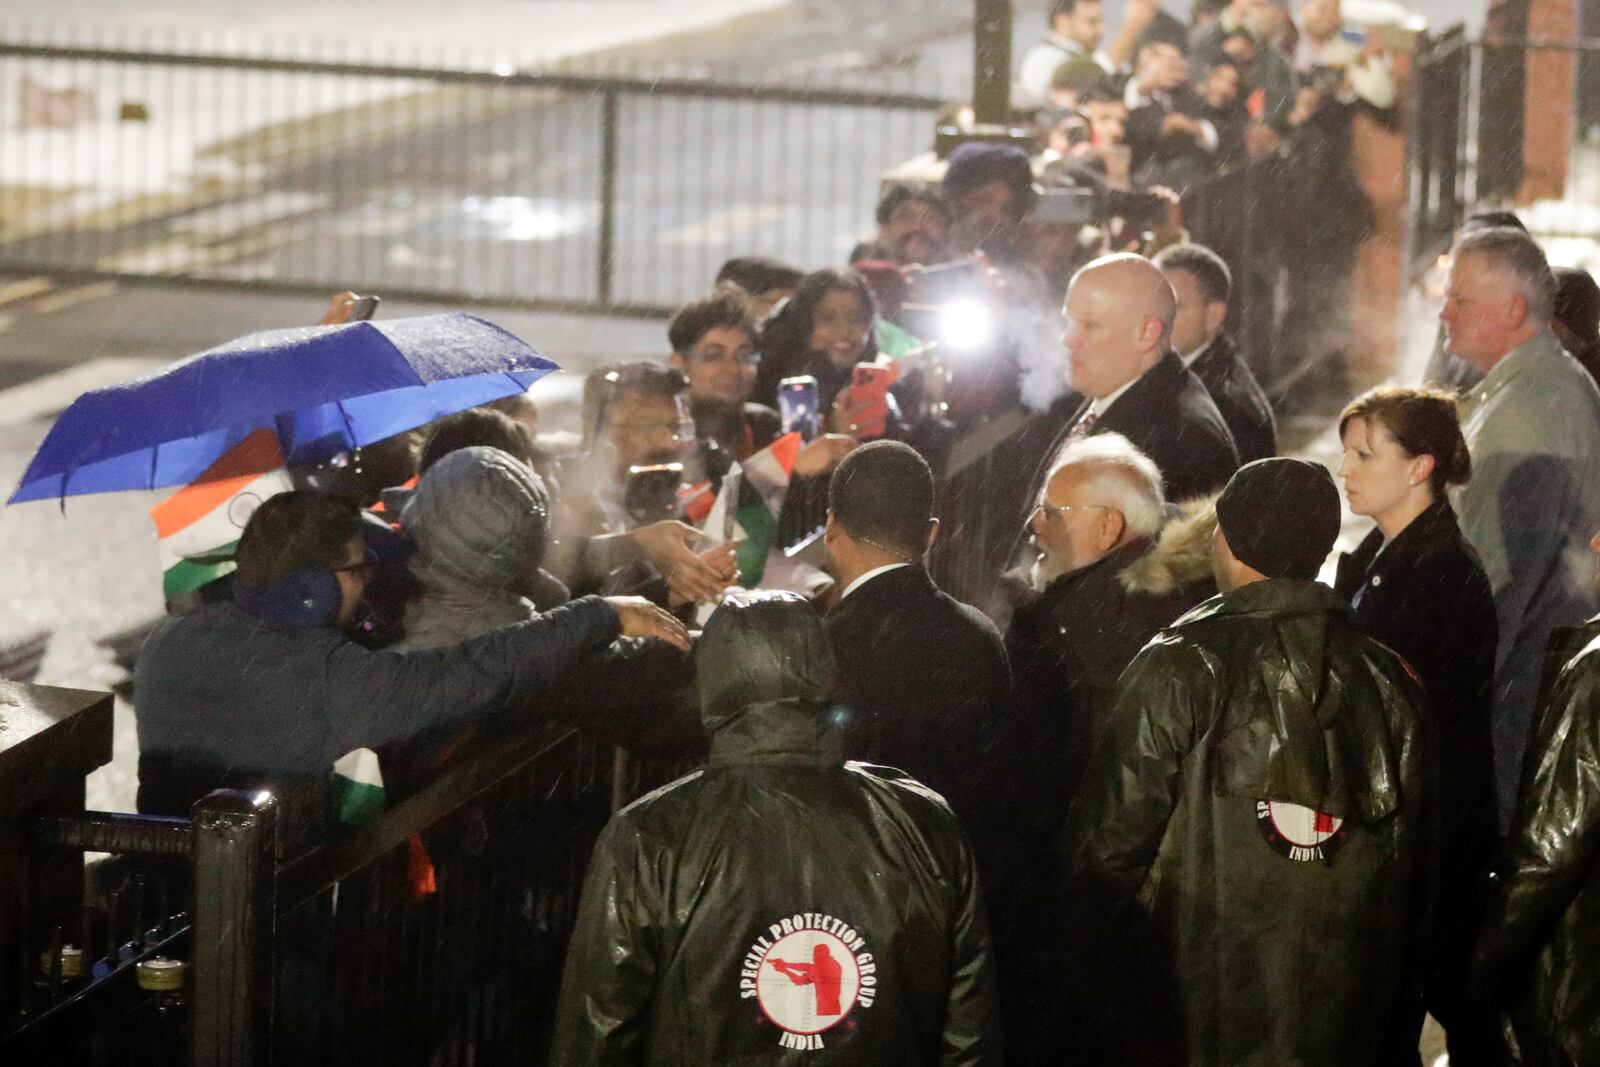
(1541, 938)
(480, 520)
(1264, 787)
(780, 905)
(480, 523)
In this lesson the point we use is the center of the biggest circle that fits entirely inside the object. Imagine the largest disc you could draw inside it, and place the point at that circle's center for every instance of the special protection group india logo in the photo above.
(808, 973)
(1300, 833)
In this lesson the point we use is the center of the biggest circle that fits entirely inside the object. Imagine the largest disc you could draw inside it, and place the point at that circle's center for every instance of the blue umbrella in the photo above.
(322, 390)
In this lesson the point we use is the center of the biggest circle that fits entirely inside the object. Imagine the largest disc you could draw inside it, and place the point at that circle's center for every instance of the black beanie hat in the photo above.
(1280, 516)
(976, 163)
(1578, 302)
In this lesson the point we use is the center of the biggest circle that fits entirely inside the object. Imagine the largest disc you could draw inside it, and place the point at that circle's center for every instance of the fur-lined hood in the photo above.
(1182, 555)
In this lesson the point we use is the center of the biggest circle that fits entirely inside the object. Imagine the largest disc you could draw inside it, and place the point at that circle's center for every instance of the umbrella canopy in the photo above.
(321, 390)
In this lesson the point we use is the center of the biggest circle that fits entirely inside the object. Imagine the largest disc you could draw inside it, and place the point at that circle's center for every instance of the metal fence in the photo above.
(1514, 124)
(434, 935)
(561, 189)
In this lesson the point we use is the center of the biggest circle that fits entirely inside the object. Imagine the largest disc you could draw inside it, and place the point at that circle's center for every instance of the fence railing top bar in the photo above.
(571, 82)
(474, 772)
(115, 832)
(1559, 44)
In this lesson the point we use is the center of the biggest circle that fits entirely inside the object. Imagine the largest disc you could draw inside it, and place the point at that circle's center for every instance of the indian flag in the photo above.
(748, 505)
(358, 786)
(200, 524)
(895, 343)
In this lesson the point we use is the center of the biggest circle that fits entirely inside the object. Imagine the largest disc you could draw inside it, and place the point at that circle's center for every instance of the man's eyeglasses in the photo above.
(1060, 511)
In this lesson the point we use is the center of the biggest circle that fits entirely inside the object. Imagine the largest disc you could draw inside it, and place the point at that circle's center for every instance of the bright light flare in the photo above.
(966, 324)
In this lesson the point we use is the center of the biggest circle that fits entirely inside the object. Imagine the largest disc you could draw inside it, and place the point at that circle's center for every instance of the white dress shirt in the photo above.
(867, 577)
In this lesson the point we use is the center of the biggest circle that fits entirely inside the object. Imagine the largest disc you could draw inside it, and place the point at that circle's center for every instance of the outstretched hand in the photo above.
(721, 559)
(668, 547)
(340, 308)
(640, 618)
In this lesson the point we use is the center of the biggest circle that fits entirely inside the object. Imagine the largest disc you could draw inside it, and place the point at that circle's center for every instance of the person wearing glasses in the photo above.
(1114, 565)
(714, 345)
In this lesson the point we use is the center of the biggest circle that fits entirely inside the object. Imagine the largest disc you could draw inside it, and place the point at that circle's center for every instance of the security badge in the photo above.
(809, 973)
(1299, 833)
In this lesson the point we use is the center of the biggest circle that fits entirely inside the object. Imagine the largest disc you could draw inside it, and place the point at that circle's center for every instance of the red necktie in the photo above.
(1085, 426)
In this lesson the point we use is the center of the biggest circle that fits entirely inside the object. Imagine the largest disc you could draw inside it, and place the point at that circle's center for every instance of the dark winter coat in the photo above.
(1070, 643)
(1427, 597)
(923, 678)
(1541, 938)
(1263, 791)
(1239, 398)
(854, 878)
(224, 699)
(1169, 416)
(1068, 646)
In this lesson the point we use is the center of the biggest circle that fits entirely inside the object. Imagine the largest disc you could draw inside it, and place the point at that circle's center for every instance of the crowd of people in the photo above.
(1029, 734)
(1245, 116)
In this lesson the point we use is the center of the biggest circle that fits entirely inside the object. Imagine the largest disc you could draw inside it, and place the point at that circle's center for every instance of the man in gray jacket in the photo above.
(1533, 426)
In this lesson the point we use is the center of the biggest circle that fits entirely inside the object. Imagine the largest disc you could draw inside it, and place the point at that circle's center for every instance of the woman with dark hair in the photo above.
(1418, 587)
(824, 330)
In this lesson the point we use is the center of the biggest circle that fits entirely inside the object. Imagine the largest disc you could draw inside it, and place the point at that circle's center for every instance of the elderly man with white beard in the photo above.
(1115, 564)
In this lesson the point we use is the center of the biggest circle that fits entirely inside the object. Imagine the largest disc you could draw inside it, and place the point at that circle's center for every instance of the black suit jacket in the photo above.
(922, 676)
(1169, 416)
(1239, 398)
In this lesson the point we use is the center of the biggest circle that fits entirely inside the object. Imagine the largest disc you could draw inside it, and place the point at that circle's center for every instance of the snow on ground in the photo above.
(64, 118)
(476, 33)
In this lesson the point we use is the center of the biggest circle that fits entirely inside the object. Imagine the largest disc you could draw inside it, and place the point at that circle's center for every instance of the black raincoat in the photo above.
(1541, 939)
(1264, 791)
(779, 906)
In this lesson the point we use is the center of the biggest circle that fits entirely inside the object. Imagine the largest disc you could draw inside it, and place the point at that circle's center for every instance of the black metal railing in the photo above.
(436, 934)
(1481, 135)
(433, 935)
(1438, 165)
(553, 189)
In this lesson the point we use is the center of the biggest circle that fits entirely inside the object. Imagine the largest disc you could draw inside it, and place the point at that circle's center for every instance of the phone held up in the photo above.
(797, 406)
(869, 396)
(362, 308)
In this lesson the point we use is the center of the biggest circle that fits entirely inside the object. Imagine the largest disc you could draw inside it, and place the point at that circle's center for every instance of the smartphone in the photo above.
(869, 395)
(362, 308)
(797, 405)
(811, 549)
(651, 493)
